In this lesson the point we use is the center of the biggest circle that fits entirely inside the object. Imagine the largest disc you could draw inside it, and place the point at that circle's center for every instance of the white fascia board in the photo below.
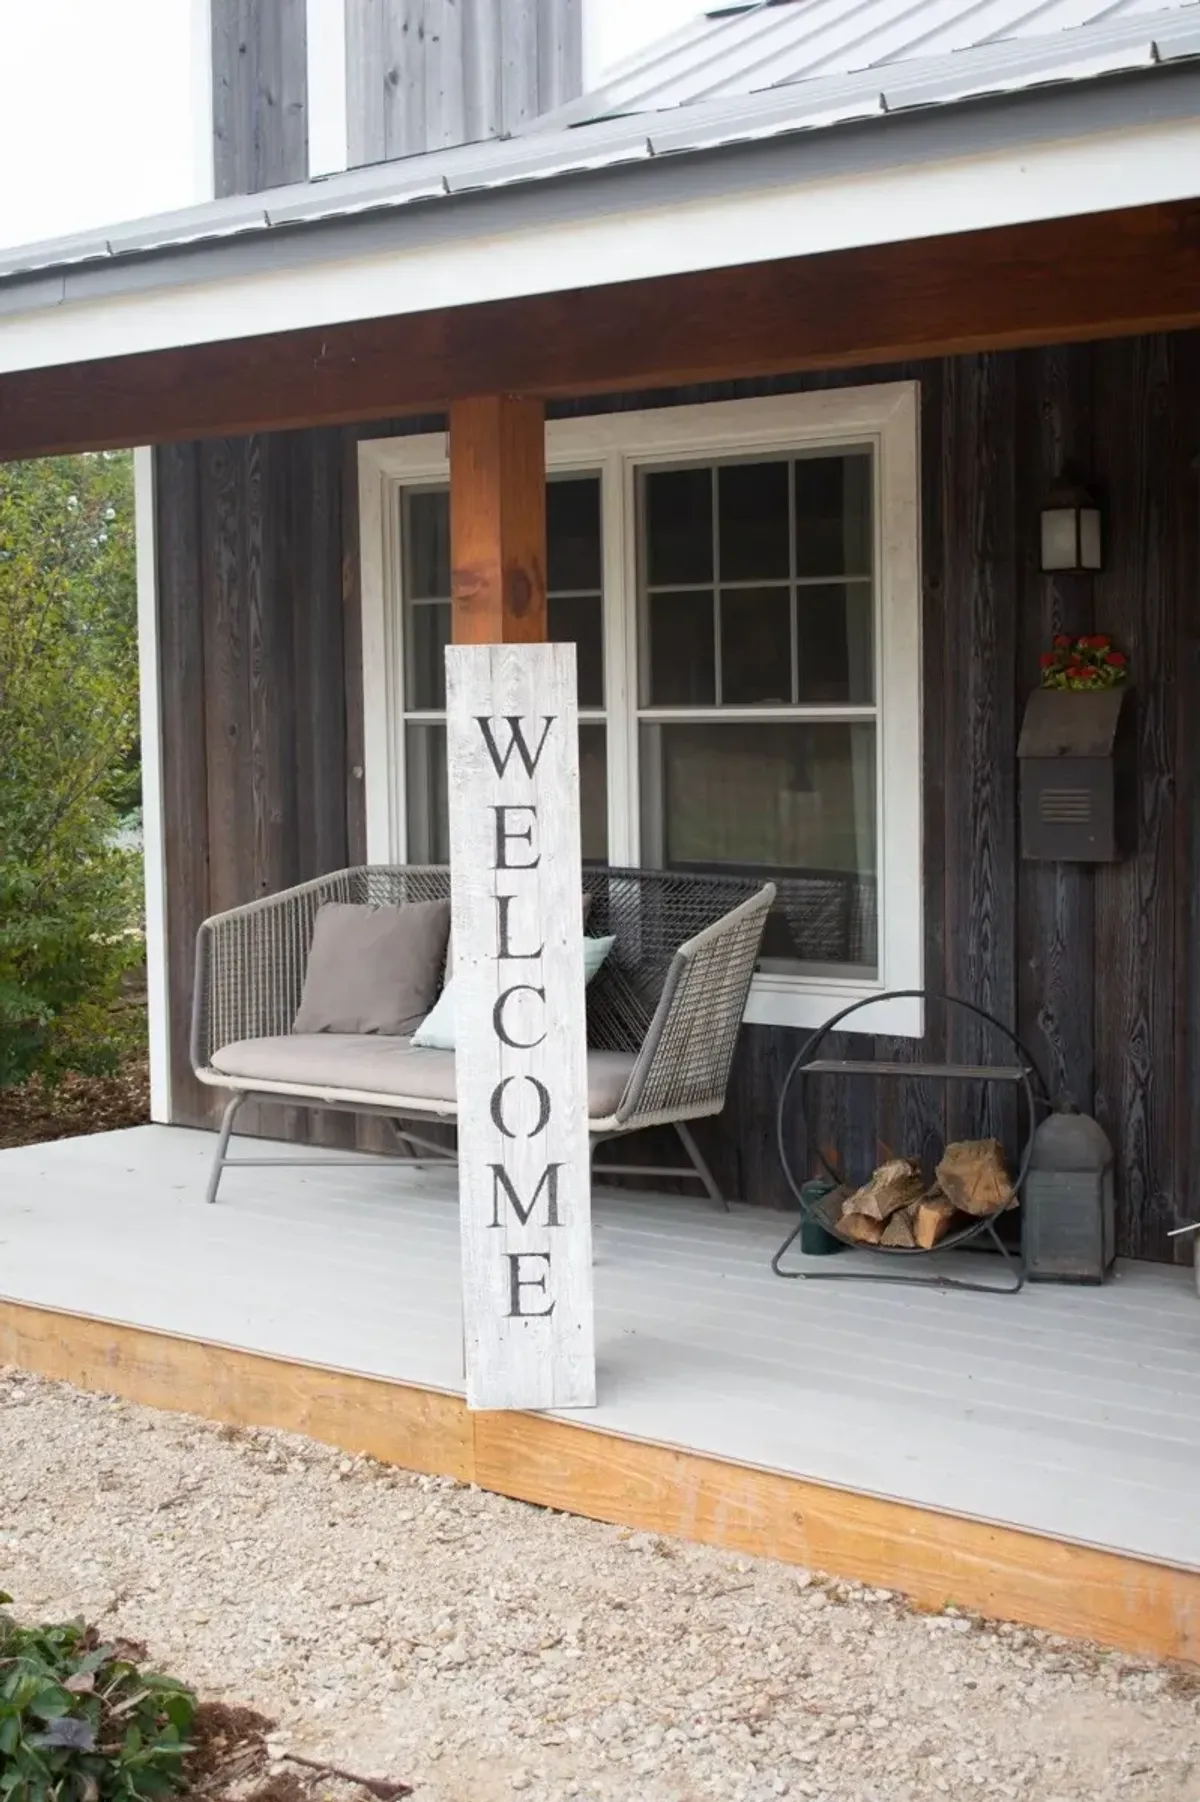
(578, 248)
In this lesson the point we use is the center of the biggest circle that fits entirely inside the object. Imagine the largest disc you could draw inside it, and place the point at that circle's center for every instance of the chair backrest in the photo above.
(251, 962)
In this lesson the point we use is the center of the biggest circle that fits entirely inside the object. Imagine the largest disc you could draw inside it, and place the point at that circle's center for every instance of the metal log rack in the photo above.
(1023, 1075)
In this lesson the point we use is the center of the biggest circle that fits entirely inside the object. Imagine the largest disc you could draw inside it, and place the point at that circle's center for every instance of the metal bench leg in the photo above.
(219, 1161)
(700, 1166)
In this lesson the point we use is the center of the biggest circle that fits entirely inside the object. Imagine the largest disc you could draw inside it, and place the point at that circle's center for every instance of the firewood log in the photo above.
(861, 1228)
(895, 1185)
(899, 1231)
(934, 1214)
(972, 1174)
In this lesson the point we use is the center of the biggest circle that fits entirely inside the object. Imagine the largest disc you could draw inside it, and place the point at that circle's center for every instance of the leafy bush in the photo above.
(68, 726)
(79, 1722)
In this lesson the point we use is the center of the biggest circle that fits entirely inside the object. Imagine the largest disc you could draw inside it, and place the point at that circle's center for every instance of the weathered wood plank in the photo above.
(366, 81)
(1056, 926)
(979, 725)
(260, 94)
(1185, 578)
(1136, 994)
(520, 1061)
(429, 74)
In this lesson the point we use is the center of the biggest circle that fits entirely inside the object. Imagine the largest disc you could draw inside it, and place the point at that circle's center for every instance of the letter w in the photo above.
(549, 1182)
(516, 742)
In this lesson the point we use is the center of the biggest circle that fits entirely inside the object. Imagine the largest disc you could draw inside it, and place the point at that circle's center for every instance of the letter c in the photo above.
(498, 1026)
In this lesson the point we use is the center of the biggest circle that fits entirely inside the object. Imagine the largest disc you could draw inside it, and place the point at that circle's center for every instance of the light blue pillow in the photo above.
(436, 1031)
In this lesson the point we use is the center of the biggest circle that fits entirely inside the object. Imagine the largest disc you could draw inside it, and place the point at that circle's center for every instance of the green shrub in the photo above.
(79, 1722)
(68, 728)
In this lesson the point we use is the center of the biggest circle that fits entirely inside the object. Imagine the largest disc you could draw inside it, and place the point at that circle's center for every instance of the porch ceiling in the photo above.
(1092, 276)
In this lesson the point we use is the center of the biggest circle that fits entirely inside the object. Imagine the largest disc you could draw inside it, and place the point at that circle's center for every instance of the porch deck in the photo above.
(1064, 1413)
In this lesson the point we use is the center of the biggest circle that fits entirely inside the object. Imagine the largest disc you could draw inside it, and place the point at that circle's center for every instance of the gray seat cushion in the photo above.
(322, 1063)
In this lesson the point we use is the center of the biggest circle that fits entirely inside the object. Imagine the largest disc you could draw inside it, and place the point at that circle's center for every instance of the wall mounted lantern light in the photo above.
(1071, 536)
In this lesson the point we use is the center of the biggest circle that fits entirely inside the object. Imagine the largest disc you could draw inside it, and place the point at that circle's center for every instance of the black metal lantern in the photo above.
(1071, 538)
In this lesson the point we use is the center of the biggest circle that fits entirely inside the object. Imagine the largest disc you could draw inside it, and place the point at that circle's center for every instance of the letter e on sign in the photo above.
(512, 749)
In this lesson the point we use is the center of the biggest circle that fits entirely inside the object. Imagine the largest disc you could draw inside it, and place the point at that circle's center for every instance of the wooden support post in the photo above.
(498, 520)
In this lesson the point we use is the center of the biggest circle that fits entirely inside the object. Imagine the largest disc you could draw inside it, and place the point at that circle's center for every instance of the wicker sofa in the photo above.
(663, 1013)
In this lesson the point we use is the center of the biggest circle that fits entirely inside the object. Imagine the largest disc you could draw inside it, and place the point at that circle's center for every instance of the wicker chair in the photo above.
(663, 1012)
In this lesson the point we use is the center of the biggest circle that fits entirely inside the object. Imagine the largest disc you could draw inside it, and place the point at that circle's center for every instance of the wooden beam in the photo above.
(1133, 1604)
(498, 520)
(1105, 275)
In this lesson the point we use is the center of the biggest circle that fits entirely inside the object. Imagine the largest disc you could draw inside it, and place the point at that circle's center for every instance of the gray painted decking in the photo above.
(1069, 1411)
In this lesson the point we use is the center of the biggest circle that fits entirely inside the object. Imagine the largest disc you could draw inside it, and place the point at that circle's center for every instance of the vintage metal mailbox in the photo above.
(1077, 775)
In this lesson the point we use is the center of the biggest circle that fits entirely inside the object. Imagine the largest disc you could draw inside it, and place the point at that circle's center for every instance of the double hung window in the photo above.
(741, 582)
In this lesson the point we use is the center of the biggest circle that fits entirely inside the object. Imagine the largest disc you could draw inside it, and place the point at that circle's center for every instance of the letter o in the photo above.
(497, 1106)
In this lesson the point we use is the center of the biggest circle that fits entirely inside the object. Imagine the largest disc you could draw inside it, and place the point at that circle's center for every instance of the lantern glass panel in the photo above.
(1060, 543)
(1089, 538)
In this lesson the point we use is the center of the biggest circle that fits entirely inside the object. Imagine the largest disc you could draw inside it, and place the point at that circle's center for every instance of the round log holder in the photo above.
(808, 1065)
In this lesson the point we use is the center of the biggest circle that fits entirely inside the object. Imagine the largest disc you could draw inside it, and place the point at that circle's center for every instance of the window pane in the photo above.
(428, 543)
(753, 513)
(682, 664)
(756, 646)
(793, 802)
(425, 785)
(833, 515)
(578, 619)
(678, 526)
(573, 533)
(593, 792)
(835, 630)
(429, 634)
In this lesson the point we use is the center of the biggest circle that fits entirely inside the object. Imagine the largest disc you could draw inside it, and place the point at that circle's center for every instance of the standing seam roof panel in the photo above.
(782, 42)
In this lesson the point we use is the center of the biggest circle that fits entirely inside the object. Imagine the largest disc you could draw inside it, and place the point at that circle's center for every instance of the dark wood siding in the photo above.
(1094, 969)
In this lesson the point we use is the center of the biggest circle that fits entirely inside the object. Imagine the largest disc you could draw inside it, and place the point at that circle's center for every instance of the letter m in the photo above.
(516, 742)
(548, 1181)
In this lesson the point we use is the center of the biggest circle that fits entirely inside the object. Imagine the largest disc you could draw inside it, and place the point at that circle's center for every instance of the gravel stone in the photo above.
(411, 1627)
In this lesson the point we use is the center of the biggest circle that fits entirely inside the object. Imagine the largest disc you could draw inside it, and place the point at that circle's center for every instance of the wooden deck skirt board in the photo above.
(1123, 1601)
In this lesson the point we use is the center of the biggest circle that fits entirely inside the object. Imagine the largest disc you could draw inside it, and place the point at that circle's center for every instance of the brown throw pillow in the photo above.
(373, 969)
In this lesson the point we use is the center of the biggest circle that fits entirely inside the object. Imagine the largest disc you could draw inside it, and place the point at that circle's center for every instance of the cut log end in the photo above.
(895, 1185)
(861, 1229)
(934, 1215)
(974, 1176)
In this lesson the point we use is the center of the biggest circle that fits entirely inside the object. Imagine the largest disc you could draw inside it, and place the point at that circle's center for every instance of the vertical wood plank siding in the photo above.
(1093, 968)
(429, 74)
(260, 94)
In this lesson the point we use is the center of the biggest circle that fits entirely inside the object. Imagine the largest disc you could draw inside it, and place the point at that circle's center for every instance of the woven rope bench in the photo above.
(663, 1013)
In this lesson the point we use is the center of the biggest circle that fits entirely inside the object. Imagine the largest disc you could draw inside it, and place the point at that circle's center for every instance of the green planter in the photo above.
(815, 1241)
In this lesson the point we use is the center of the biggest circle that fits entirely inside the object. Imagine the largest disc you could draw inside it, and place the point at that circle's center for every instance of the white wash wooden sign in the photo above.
(521, 1059)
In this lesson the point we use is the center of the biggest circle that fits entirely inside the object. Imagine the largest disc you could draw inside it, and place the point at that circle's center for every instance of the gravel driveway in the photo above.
(478, 1648)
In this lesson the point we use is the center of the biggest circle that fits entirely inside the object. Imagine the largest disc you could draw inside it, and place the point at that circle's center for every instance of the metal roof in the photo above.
(735, 51)
(1131, 40)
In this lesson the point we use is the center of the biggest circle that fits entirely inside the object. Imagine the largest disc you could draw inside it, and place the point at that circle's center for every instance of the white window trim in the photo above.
(616, 445)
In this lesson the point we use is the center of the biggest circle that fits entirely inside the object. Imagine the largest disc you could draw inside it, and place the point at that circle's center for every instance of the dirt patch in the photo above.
(36, 1111)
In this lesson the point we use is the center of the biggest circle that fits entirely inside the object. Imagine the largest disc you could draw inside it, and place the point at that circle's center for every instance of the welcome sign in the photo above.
(521, 1060)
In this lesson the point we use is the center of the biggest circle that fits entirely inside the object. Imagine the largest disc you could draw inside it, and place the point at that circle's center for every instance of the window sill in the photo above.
(779, 1000)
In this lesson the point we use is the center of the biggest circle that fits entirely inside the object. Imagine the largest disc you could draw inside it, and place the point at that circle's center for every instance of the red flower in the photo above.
(1118, 658)
(1048, 661)
(1100, 643)
(1061, 642)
